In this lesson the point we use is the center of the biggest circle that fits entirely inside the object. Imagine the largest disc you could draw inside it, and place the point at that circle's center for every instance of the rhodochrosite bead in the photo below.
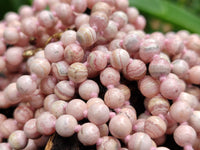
(120, 18)
(14, 55)
(58, 108)
(46, 19)
(94, 100)
(125, 90)
(79, 6)
(194, 121)
(108, 142)
(11, 35)
(180, 67)
(60, 70)
(81, 19)
(194, 74)
(86, 36)
(68, 37)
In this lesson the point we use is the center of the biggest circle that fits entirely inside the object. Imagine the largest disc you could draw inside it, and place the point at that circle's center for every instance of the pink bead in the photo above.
(158, 106)
(5, 146)
(132, 14)
(139, 125)
(54, 52)
(26, 85)
(25, 11)
(192, 42)
(125, 90)
(114, 44)
(98, 114)
(194, 90)
(23, 113)
(64, 90)
(91, 3)
(180, 67)
(42, 141)
(30, 129)
(135, 70)
(79, 6)
(49, 100)
(81, 19)
(103, 7)
(120, 126)
(159, 37)
(170, 88)
(76, 108)
(11, 16)
(94, 100)
(60, 70)
(46, 19)
(77, 72)
(174, 45)
(11, 35)
(120, 18)
(46, 123)
(58, 108)
(162, 148)
(103, 129)
(97, 60)
(190, 57)
(114, 98)
(2, 118)
(180, 111)
(89, 134)
(148, 49)
(73, 53)
(194, 74)
(31, 145)
(7, 127)
(86, 36)
(29, 26)
(18, 140)
(128, 28)
(65, 125)
(140, 22)
(98, 21)
(41, 67)
(110, 31)
(159, 67)
(11, 94)
(130, 113)
(39, 111)
(39, 5)
(108, 143)
(14, 55)
(121, 4)
(194, 121)
(4, 103)
(155, 127)
(47, 85)
(68, 37)
(161, 140)
(139, 141)
(184, 135)
(88, 89)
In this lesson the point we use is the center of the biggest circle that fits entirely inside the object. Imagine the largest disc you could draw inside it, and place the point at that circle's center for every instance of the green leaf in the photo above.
(169, 12)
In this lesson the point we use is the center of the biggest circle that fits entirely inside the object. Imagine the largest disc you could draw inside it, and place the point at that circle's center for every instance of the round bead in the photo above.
(102, 6)
(77, 72)
(81, 19)
(65, 125)
(155, 127)
(79, 6)
(89, 134)
(47, 85)
(60, 70)
(108, 143)
(114, 98)
(190, 57)
(29, 26)
(58, 108)
(5, 146)
(94, 100)
(120, 18)
(103, 129)
(132, 14)
(14, 55)
(194, 121)
(130, 113)
(180, 67)
(18, 140)
(7, 127)
(30, 129)
(120, 126)
(125, 90)
(49, 100)
(46, 19)
(11, 35)
(194, 74)
(68, 37)
(65, 90)
(86, 36)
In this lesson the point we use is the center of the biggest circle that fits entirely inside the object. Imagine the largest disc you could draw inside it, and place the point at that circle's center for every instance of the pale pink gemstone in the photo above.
(31, 145)
(11, 35)
(23, 113)
(73, 53)
(162, 148)
(7, 127)
(140, 22)
(65, 125)
(184, 135)
(102, 6)
(60, 70)
(135, 70)
(11, 16)
(149, 87)
(46, 19)
(76, 108)
(97, 60)
(158, 106)
(130, 113)
(5, 146)
(58, 108)
(192, 42)
(68, 37)
(194, 121)
(91, 3)
(159, 37)
(25, 11)
(160, 140)
(26, 85)
(46, 123)
(47, 85)
(92, 73)
(128, 28)
(39, 5)
(108, 143)
(114, 98)
(81, 19)
(109, 76)
(114, 44)
(120, 126)
(64, 90)
(98, 20)
(89, 134)
(125, 90)
(132, 14)
(103, 129)
(49, 100)
(110, 31)
(79, 6)
(11, 94)
(194, 74)
(30, 129)
(155, 127)
(88, 89)
(29, 26)
(180, 67)
(18, 140)
(120, 18)
(41, 67)
(38, 112)
(119, 59)
(4, 102)
(180, 111)
(139, 141)
(2, 118)
(86, 36)
(190, 57)
(148, 48)
(14, 55)
(98, 114)
(139, 125)
(94, 100)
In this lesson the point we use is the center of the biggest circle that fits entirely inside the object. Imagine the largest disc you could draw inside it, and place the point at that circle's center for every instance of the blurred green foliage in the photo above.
(187, 13)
